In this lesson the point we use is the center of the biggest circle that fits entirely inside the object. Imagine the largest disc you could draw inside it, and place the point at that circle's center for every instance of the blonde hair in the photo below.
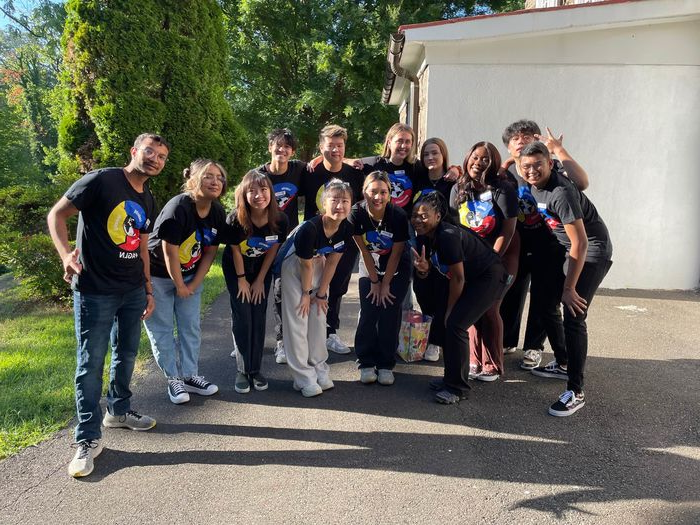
(395, 130)
(196, 171)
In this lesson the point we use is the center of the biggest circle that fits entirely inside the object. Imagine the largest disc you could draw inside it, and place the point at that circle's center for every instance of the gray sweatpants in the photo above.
(304, 338)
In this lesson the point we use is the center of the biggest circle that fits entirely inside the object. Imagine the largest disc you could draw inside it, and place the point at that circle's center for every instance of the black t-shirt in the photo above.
(287, 187)
(561, 202)
(407, 180)
(256, 244)
(314, 183)
(452, 244)
(311, 240)
(442, 185)
(379, 237)
(485, 214)
(112, 217)
(180, 224)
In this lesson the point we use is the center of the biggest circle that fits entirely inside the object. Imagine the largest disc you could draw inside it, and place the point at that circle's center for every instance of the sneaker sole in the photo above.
(339, 352)
(200, 391)
(569, 412)
(550, 375)
(528, 367)
(487, 378)
(260, 388)
(177, 401)
(241, 390)
(326, 386)
(312, 394)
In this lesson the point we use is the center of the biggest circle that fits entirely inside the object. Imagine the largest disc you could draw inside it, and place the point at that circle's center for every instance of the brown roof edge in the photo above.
(511, 13)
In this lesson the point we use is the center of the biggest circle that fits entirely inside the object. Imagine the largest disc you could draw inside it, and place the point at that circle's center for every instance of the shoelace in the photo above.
(178, 388)
(84, 447)
(199, 381)
(133, 414)
(567, 396)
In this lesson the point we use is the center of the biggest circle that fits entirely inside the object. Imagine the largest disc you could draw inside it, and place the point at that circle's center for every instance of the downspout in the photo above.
(393, 69)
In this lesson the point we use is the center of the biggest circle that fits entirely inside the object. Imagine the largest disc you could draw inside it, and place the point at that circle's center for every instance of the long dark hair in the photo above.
(242, 209)
(468, 189)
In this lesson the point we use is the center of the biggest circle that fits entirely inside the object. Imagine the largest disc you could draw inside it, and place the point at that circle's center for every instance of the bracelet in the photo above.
(149, 293)
(374, 282)
(240, 275)
(322, 297)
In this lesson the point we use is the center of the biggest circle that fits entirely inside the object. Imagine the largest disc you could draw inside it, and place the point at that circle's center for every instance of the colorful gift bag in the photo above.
(413, 336)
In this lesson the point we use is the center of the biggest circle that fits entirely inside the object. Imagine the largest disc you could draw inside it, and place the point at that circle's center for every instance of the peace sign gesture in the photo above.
(553, 144)
(420, 261)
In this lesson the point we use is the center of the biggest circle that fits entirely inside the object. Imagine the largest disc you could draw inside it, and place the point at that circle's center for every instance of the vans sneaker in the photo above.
(131, 420)
(531, 359)
(199, 385)
(82, 463)
(551, 370)
(177, 392)
(569, 402)
(259, 382)
(432, 353)
(280, 355)
(242, 383)
(334, 344)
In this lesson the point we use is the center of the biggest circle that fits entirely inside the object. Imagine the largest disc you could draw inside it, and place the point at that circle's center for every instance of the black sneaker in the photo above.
(259, 382)
(445, 397)
(242, 384)
(199, 385)
(551, 370)
(177, 392)
(569, 402)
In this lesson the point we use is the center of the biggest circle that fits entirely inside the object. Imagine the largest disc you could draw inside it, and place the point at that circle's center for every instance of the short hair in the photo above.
(155, 138)
(332, 131)
(441, 146)
(336, 186)
(375, 176)
(535, 148)
(435, 200)
(524, 126)
(283, 135)
(395, 130)
(194, 174)
(242, 207)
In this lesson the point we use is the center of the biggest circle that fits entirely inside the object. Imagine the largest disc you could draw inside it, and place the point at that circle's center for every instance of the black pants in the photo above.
(477, 297)
(431, 292)
(377, 334)
(247, 320)
(543, 272)
(575, 327)
(339, 286)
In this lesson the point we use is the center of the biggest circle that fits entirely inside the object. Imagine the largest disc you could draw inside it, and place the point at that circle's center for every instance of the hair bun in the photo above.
(186, 173)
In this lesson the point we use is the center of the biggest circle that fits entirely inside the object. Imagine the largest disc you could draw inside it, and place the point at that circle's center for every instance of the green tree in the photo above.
(154, 65)
(305, 64)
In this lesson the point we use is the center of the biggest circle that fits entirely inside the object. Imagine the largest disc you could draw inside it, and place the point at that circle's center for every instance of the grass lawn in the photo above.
(37, 365)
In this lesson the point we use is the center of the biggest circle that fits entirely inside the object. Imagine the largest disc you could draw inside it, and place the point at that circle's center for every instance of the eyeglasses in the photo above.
(150, 152)
(210, 177)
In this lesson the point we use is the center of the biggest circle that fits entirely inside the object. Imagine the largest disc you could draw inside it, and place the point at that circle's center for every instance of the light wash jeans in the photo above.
(177, 358)
(95, 316)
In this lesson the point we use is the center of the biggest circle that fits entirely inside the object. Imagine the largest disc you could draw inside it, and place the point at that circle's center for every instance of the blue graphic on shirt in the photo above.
(401, 188)
(284, 194)
(423, 193)
(479, 216)
(337, 248)
(378, 242)
(257, 246)
(527, 207)
(442, 268)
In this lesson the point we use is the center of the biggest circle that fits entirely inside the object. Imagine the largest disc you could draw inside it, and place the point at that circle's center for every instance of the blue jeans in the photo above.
(94, 317)
(177, 358)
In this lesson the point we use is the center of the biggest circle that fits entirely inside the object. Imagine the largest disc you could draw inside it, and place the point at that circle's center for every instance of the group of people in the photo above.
(467, 240)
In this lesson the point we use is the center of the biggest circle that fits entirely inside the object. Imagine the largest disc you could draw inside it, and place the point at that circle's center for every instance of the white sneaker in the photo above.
(326, 384)
(367, 375)
(280, 354)
(82, 463)
(334, 344)
(385, 377)
(432, 353)
(311, 390)
(510, 350)
(474, 371)
(531, 359)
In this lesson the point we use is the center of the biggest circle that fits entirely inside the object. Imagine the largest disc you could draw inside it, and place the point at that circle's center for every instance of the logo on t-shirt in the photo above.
(442, 268)
(124, 225)
(285, 193)
(479, 216)
(552, 220)
(527, 207)
(257, 246)
(401, 188)
(338, 247)
(378, 242)
(191, 250)
(422, 193)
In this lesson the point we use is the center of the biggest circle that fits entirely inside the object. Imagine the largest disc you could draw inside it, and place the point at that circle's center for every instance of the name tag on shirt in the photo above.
(213, 231)
(486, 196)
(279, 193)
(541, 206)
(400, 172)
(271, 238)
(339, 245)
(386, 234)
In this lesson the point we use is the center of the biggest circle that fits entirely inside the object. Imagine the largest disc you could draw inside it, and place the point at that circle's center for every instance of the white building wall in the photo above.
(634, 128)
